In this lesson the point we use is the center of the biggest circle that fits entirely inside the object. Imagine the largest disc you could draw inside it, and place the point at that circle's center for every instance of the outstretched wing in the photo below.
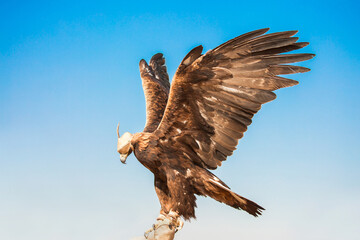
(156, 85)
(214, 96)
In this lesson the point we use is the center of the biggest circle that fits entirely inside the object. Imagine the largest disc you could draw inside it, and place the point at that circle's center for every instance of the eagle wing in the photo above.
(214, 96)
(156, 85)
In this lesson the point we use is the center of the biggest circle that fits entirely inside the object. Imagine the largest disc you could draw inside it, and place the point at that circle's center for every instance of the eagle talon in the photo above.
(148, 232)
(180, 224)
(176, 219)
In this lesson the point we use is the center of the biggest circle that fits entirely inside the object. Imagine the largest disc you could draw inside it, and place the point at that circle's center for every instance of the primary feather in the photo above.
(218, 93)
(156, 85)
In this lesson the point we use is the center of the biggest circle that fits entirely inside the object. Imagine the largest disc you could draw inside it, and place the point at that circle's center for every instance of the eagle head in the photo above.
(124, 145)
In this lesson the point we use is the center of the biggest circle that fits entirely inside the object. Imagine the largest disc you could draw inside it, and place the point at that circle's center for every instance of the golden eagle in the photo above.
(195, 124)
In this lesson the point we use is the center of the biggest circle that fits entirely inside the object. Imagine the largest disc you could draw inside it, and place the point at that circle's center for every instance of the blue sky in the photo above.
(69, 74)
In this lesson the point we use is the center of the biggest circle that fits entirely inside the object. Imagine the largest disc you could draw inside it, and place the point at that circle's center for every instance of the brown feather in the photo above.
(233, 78)
(156, 87)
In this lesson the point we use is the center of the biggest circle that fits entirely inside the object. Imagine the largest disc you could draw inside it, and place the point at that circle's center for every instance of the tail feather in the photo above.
(219, 191)
(246, 205)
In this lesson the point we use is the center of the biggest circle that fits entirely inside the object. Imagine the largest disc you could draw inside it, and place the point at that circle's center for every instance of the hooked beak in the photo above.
(124, 145)
(123, 158)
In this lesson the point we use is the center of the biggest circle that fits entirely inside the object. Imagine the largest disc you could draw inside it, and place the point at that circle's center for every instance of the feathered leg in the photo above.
(167, 211)
(169, 221)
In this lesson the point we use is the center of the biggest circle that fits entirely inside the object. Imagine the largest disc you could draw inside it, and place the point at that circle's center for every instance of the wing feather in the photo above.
(214, 96)
(156, 85)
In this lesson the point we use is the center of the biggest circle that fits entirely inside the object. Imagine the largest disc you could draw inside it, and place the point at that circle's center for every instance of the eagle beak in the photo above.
(123, 158)
(124, 145)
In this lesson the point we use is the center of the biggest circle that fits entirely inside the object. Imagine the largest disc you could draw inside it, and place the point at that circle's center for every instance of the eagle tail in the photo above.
(219, 191)
(246, 205)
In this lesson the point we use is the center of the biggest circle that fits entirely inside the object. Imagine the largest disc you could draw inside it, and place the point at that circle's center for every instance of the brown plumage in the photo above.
(156, 85)
(196, 125)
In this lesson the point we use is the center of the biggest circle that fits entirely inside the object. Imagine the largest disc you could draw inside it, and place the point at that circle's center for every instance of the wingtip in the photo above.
(309, 56)
(305, 56)
(262, 30)
(304, 70)
(293, 32)
(199, 47)
(142, 64)
(192, 55)
(302, 44)
(156, 57)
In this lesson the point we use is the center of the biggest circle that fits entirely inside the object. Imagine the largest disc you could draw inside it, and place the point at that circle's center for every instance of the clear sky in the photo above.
(69, 74)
